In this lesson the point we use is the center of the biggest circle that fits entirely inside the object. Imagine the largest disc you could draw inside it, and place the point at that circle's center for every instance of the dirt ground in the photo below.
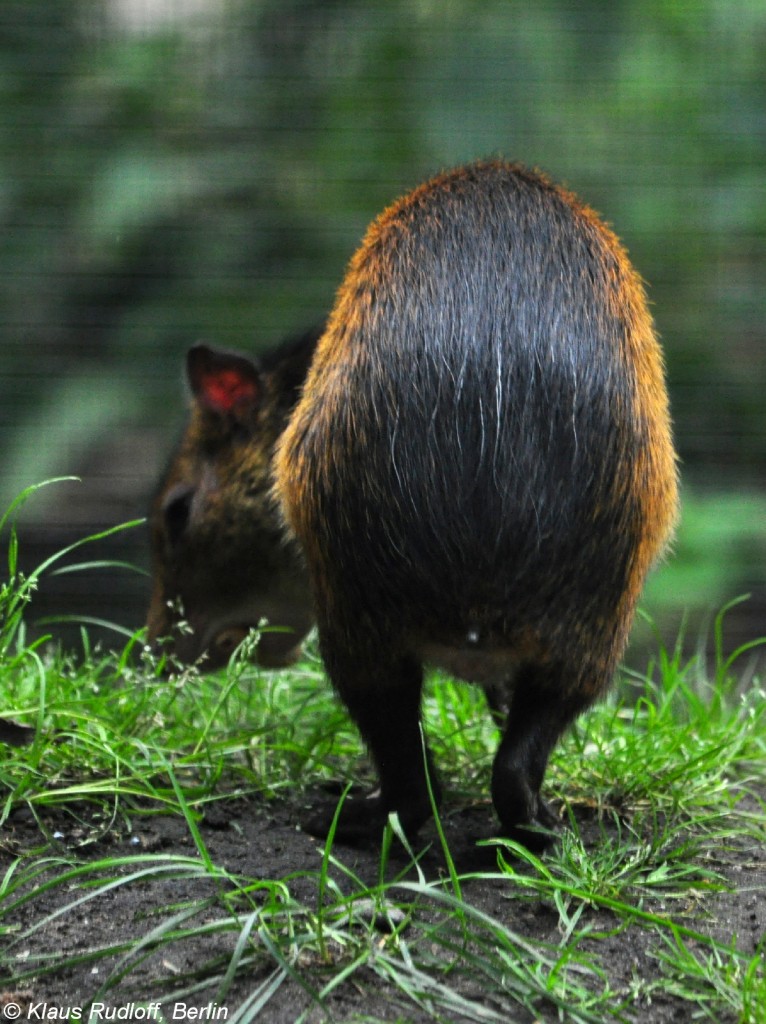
(261, 840)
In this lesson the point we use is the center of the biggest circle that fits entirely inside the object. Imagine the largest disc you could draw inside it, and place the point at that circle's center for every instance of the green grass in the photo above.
(659, 785)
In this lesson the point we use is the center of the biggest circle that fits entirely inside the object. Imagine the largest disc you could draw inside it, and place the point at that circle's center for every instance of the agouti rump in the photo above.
(471, 466)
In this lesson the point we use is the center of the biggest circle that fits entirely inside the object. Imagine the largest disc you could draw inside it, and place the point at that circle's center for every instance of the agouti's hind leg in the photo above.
(383, 697)
(537, 716)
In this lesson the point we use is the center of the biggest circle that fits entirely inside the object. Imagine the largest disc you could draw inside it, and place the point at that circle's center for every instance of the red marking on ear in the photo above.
(225, 389)
(224, 382)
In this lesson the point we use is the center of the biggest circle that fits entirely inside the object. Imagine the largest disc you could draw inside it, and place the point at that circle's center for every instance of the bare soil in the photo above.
(260, 840)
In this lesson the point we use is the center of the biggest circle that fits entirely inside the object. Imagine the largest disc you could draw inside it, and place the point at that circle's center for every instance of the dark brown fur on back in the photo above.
(483, 442)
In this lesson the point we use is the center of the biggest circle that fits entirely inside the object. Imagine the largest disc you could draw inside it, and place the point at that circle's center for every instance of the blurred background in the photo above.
(180, 170)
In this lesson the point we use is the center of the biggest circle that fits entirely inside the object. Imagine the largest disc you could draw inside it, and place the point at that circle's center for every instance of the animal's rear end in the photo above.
(480, 471)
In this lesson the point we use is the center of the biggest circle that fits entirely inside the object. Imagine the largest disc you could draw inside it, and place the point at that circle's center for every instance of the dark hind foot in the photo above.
(538, 833)
(538, 714)
(383, 698)
(361, 820)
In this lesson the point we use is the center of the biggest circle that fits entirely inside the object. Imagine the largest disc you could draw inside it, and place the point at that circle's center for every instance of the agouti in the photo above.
(221, 559)
(476, 472)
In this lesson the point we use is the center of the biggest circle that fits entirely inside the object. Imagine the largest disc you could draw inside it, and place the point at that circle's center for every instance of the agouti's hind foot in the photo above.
(537, 834)
(361, 820)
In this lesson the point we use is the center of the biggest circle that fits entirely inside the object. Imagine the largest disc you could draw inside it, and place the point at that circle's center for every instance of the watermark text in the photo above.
(11, 1010)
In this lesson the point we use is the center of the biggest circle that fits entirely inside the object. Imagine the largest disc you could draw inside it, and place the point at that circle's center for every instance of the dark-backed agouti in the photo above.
(221, 560)
(478, 472)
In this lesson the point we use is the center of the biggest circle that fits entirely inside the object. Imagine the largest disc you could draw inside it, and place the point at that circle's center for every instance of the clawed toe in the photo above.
(360, 821)
(537, 834)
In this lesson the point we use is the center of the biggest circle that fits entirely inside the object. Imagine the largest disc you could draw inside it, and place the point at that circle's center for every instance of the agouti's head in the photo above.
(222, 563)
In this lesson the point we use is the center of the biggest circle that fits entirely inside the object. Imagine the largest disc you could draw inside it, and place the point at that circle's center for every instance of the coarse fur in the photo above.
(479, 473)
(480, 470)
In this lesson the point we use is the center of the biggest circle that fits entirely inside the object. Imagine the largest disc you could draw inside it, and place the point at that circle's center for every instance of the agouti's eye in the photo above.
(228, 640)
(176, 509)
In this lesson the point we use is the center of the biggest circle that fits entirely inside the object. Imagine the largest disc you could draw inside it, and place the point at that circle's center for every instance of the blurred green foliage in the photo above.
(718, 557)
(204, 168)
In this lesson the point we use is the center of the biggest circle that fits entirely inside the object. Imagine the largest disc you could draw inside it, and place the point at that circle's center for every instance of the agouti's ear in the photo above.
(224, 382)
